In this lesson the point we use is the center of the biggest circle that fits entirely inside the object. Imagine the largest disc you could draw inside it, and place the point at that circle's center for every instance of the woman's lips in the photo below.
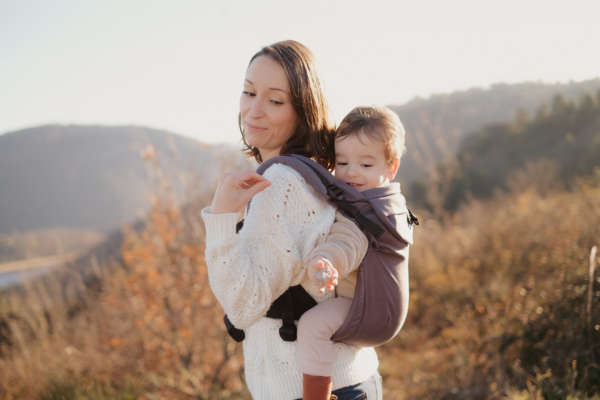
(254, 128)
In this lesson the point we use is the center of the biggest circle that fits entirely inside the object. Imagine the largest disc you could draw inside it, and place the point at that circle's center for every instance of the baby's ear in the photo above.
(393, 169)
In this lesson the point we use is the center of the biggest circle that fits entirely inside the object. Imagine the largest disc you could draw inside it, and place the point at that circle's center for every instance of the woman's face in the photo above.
(267, 116)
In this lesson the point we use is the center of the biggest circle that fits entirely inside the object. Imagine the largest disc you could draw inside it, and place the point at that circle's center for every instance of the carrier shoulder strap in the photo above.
(334, 190)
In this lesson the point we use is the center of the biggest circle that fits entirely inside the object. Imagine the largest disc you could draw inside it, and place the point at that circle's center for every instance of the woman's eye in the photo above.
(367, 165)
(277, 102)
(341, 163)
(247, 93)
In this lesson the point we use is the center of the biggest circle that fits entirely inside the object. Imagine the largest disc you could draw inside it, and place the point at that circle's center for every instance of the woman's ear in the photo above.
(393, 169)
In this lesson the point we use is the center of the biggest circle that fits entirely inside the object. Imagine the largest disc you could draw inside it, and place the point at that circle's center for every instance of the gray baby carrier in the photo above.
(380, 302)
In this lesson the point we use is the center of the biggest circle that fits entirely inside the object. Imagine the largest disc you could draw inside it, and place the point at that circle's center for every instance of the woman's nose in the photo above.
(256, 108)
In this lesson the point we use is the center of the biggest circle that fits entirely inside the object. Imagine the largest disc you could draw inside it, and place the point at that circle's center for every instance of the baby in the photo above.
(368, 146)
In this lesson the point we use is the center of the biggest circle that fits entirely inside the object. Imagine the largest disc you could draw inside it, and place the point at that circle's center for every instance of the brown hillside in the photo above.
(94, 178)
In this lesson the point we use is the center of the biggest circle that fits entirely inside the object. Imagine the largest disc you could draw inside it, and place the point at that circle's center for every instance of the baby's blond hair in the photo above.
(379, 123)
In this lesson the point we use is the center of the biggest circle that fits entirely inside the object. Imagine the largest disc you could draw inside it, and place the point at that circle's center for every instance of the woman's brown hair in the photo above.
(314, 134)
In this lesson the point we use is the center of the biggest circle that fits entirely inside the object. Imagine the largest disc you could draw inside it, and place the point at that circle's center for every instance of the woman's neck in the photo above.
(268, 154)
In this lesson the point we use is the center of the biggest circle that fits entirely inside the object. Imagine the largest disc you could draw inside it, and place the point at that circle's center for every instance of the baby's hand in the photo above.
(324, 274)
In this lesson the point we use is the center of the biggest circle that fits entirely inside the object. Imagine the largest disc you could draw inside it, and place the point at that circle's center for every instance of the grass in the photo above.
(61, 390)
(499, 293)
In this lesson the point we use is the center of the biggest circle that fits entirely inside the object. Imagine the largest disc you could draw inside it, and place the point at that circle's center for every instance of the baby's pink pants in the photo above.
(316, 354)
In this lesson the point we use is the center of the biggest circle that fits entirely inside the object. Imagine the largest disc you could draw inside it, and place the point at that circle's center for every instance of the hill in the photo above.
(95, 178)
(436, 126)
(92, 178)
(557, 146)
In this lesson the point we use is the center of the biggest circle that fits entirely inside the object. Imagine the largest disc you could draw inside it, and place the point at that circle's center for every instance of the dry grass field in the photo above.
(503, 306)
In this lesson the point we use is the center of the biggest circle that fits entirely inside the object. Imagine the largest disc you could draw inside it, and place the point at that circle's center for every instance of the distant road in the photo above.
(17, 271)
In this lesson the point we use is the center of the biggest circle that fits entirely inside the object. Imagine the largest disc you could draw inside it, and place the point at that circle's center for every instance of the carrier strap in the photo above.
(337, 196)
(288, 307)
(412, 218)
(287, 331)
(237, 334)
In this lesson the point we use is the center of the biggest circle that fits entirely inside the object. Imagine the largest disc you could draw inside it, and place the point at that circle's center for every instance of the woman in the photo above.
(282, 111)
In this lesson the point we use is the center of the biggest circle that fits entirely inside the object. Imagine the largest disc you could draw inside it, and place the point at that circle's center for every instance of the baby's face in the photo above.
(360, 162)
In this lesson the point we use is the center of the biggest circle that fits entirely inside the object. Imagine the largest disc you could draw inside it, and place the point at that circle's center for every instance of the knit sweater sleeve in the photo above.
(249, 270)
(345, 246)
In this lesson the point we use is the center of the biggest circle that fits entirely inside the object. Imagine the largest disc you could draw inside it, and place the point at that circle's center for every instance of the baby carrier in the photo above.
(380, 302)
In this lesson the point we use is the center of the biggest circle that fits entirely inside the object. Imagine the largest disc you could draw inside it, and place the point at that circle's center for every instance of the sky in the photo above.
(179, 65)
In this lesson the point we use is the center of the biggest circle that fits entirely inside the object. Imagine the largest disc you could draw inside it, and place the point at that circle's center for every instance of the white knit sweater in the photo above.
(249, 270)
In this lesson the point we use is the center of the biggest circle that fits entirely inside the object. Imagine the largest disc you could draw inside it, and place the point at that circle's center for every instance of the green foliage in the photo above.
(59, 391)
(564, 137)
(435, 126)
(65, 390)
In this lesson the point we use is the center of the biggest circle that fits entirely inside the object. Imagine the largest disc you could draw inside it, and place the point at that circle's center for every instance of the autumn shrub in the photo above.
(154, 322)
(147, 320)
(498, 300)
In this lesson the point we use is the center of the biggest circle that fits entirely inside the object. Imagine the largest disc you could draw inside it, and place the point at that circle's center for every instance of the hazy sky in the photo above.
(179, 65)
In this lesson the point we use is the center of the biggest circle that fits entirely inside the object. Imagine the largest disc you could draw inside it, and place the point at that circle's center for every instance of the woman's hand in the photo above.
(235, 191)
